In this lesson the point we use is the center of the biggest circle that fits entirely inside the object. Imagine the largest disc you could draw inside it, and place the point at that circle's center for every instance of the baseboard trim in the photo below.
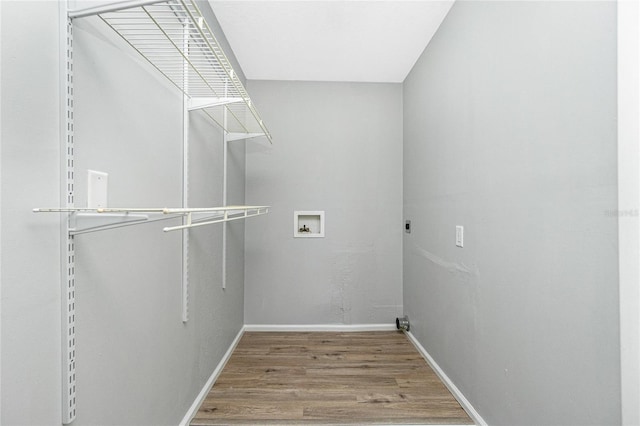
(464, 402)
(193, 410)
(320, 327)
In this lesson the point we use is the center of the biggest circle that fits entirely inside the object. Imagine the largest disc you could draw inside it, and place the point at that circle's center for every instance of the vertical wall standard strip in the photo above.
(68, 287)
(185, 175)
(224, 189)
(224, 203)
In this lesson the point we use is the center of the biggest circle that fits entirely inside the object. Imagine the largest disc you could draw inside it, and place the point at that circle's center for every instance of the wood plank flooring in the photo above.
(328, 378)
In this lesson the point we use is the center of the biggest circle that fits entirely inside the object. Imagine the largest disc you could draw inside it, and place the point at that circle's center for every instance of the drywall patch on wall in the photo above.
(459, 269)
(341, 279)
(349, 265)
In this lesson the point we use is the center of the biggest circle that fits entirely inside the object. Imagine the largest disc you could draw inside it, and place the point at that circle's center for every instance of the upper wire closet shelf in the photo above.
(173, 36)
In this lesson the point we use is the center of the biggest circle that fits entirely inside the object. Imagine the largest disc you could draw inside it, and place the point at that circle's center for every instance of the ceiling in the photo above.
(329, 40)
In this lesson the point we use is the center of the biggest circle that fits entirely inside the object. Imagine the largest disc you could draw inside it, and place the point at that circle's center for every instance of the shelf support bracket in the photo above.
(201, 103)
(88, 222)
(239, 136)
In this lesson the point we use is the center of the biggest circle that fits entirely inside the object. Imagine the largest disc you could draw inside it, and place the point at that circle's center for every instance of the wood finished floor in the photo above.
(328, 378)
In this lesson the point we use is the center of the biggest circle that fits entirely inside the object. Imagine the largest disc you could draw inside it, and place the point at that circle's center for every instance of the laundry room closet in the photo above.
(179, 185)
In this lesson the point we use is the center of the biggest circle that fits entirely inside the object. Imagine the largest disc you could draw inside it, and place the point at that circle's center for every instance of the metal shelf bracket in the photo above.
(201, 103)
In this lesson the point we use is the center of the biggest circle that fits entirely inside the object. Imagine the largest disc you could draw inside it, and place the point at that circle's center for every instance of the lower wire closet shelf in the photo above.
(83, 220)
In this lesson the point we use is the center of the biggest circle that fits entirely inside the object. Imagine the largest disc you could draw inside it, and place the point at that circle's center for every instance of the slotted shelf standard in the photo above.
(174, 38)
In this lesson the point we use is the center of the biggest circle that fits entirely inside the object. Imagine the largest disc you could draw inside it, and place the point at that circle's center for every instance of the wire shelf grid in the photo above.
(175, 39)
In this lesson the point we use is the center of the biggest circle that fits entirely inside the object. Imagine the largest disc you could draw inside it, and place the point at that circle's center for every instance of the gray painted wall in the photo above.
(510, 131)
(523, 318)
(338, 148)
(30, 323)
(137, 363)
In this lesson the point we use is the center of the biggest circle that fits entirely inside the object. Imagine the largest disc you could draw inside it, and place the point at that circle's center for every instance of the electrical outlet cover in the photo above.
(97, 189)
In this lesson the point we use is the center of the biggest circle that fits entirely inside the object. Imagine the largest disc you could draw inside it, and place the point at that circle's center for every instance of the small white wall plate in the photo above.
(98, 183)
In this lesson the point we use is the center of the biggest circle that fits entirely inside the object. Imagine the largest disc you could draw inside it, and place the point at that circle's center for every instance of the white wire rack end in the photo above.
(173, 36)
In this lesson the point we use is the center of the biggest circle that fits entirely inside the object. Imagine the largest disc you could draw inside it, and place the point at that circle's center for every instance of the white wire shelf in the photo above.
(173, 36)
(84, 220)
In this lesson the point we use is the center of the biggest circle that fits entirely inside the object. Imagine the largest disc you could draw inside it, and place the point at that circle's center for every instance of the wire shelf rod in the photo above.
(215, 215)
(116, 224)
(226, 218)
(214, 209)
(164, 210)
(111, 7)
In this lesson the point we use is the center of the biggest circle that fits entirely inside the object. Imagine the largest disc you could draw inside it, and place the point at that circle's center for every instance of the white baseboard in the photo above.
(212, 379)
(320, 327)
(464, 402)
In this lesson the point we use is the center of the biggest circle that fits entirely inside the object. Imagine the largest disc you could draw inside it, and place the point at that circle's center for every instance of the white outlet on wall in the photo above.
(460, 236)
(97, 189)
